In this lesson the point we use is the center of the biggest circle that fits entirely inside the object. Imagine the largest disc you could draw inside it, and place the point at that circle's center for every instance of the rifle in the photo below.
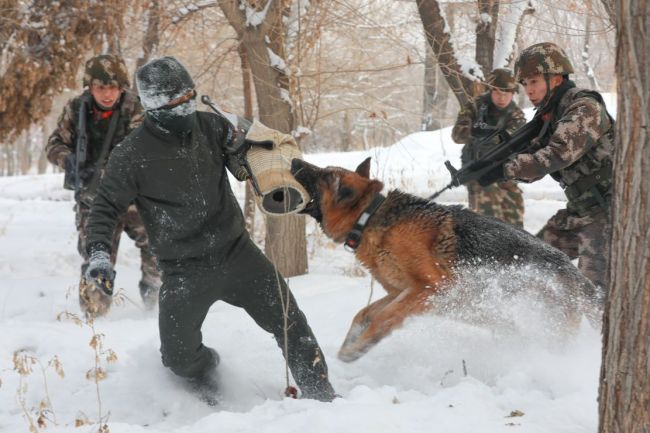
(93, 182)
(82, 141)
(72, 179)
(515, 144)
(518, 142)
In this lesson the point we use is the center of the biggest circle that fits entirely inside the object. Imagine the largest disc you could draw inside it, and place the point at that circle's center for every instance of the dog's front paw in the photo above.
(347, 354)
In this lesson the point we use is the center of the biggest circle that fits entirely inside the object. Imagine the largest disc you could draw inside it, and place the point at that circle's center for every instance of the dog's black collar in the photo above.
(353, 239)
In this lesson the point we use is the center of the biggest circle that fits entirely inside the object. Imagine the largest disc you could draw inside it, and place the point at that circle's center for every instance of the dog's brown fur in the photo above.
(411, 253)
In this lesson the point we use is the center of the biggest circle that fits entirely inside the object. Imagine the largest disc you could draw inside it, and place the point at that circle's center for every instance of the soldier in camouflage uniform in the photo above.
(575, 147)
(107, 100)
(493, 110)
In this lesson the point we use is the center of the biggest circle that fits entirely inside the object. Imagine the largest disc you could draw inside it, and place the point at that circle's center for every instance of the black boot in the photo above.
(149, 295)
(206, 385)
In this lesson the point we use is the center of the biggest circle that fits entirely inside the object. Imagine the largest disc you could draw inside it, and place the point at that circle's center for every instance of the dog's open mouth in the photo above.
(312, 209)
(304, 173)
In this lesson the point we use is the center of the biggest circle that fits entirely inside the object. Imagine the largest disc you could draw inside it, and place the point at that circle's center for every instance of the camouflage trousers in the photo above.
(502, 200)
(132, 225)
(584, 238)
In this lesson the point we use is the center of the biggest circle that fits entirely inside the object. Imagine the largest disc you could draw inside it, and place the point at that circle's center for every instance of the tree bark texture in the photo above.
(432, 103)
(625, 373)
(285, 236)
(586, 65)
(439, 39)
(610, 8)
(151, 38)
(486, 28)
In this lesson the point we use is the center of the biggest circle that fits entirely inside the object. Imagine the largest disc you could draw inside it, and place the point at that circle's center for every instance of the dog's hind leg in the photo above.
(584, 297)
(384, 320)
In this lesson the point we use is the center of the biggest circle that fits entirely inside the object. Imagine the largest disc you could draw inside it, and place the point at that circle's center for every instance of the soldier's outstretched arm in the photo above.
(62, 140)
(462, 130)
(584, 122)
(116, 191)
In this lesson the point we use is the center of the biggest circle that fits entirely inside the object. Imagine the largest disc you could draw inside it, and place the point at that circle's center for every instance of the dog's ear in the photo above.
(376, 186)
(364, 168)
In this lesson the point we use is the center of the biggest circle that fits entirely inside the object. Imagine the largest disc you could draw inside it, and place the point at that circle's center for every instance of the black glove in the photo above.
(100, 271)
(494, 175)
(236, 157)
(480, 130)
(86, 175)
(70, 163)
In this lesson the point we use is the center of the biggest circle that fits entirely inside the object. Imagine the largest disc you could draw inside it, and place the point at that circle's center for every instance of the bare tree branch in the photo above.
(437, 33)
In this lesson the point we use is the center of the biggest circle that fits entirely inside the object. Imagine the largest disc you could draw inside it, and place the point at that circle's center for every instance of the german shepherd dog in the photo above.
(413, 246)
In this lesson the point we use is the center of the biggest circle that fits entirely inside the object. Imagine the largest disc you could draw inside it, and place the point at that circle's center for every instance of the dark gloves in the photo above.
(70, 166)
(480, 130)
(70, 162)
(100, 270)
(494, 175)
(236, 157)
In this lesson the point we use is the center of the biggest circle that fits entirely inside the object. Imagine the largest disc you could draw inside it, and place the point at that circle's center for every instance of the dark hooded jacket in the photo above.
(180, 187)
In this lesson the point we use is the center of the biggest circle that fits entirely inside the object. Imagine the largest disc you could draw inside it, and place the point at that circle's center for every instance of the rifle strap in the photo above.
(103, 154)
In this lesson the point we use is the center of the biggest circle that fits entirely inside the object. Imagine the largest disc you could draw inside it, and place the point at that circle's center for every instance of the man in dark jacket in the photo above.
(492, 111)
(110, 112)
(174, 168)
(575, 147)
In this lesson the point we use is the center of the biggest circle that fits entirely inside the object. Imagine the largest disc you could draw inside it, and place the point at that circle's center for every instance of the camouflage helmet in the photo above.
(106, 69)
(543, 58)
(502, 79)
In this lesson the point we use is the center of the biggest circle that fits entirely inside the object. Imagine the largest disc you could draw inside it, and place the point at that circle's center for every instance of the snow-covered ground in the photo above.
(434, 375)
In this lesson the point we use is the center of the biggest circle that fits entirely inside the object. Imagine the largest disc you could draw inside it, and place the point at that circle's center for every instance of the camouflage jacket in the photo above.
(63, 140)
(483, 111)
(576, 151)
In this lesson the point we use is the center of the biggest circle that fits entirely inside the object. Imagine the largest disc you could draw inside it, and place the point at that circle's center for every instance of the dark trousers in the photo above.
(246, 279)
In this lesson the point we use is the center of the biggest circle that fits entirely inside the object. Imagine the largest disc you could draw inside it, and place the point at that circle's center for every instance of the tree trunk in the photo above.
(504, 51)
(431, 102)
(625, 372)
(610, 8)
(42, 163)
(25, 153)
(439, 40)
(346, 133)
(285, 242)
(151, 38)
(589, 72)
(485, 33)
